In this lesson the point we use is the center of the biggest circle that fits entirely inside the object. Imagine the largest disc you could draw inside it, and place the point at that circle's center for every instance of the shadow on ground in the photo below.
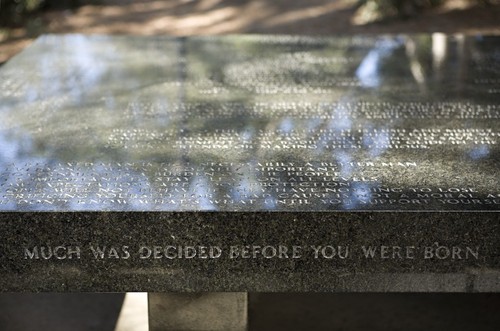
(278, 311)
(201, 17)
(374, 311)
(60, 312)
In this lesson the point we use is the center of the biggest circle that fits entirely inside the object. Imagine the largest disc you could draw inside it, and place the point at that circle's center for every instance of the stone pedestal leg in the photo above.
(198, 311)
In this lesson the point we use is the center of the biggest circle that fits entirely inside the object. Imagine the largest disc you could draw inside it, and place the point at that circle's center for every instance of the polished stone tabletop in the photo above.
(251, 123)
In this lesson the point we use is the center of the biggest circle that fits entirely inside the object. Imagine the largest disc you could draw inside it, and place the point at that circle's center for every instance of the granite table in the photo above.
(234, 164)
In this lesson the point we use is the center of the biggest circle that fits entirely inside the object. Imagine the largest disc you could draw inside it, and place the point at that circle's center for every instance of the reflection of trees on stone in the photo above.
(150, 111)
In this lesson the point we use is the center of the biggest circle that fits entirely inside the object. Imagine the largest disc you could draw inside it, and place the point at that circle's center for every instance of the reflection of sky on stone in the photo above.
(75, 205)
(202, 188)
(339, 121)
(31, 95)
(9, 150)
(163, 111)
(320, 144)
(239, 191)
(79, 74)
(313, 123)
(368, 71)
(90, 69)
(138, 184)
(158, 108)
(360, 192)
(51, 85)
(249, 185)
(16, 153)
(150, 106)
(110, 102)
(344, 158)
(286, 125)
(270, 203)
(479, 152)
(135, 110)
(376, 142)
(8, 154)
(247, 134)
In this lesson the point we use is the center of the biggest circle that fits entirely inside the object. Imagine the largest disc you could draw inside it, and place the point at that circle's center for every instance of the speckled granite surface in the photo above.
(251, 163)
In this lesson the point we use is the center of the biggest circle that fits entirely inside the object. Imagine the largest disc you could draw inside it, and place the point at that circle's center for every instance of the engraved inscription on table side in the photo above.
(233, 251)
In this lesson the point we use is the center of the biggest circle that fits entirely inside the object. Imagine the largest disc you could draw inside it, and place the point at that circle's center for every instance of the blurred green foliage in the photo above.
(399, 7)
(377, 10)
(15, 12)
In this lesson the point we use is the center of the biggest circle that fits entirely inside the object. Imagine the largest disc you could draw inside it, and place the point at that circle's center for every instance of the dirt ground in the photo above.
(195, 17)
